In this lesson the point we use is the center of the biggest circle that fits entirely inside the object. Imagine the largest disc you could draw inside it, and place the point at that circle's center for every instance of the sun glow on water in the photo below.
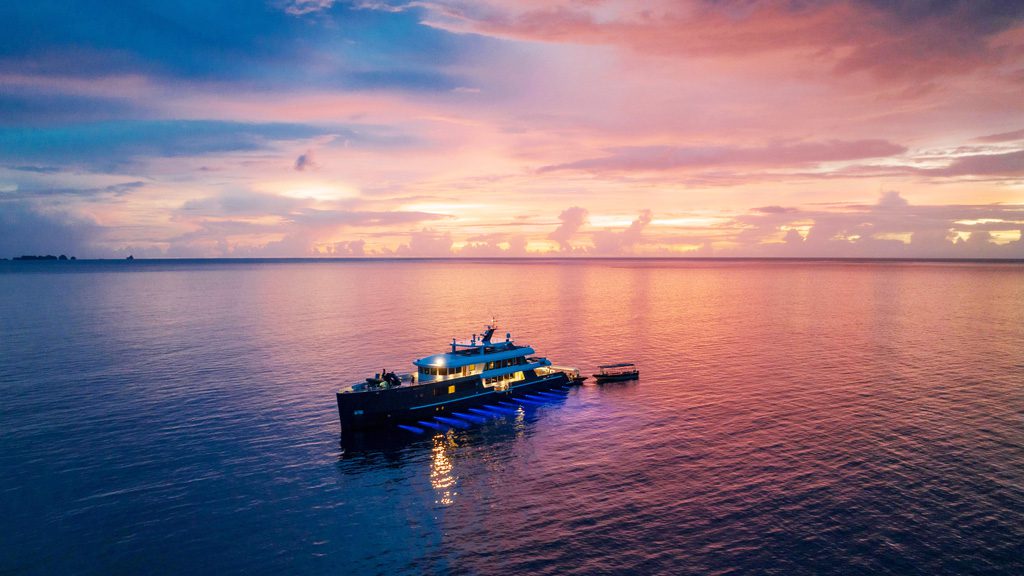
(442, 477)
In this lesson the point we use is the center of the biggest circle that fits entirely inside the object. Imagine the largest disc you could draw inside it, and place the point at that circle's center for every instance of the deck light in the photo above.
(470, 417)
(453, 422)
(551, 395)
(493, 410)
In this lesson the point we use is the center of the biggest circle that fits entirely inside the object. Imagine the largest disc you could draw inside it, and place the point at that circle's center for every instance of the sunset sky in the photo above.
(293, 128)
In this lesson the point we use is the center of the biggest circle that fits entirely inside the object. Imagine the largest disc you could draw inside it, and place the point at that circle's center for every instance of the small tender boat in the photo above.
(617, 372)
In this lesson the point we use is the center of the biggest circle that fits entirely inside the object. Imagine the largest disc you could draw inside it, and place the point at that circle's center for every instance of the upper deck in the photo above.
(492, 361)
(476, 351)
(461, 358)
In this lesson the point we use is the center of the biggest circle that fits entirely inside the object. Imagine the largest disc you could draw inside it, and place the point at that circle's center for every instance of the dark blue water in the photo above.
(791, 418)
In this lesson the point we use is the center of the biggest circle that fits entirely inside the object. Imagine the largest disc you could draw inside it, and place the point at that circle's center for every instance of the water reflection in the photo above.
(519, 423)
(441, 476)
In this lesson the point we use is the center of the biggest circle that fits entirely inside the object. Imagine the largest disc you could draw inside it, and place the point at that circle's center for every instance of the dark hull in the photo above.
(362, 410)
(617, 377)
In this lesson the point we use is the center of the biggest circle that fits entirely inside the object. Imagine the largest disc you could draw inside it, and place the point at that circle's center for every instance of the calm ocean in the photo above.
(792, 417)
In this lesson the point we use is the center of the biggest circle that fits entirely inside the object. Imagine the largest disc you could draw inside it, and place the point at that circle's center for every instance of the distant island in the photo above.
(47, 257)
(35, 257)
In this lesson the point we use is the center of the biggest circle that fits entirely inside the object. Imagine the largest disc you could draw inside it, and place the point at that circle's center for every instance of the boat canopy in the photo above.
(620, 365)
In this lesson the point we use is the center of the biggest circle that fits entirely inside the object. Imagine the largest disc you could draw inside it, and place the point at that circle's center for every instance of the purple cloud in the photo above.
(608, 242)
(1009, 164)
(775, 210)
(1003, 136)
(572, 220)
(305, 161)
(427, 243)
(653, 158)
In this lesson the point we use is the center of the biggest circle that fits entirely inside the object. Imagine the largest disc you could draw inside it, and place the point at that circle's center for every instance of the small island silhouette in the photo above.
(47, 257)
(35, 257)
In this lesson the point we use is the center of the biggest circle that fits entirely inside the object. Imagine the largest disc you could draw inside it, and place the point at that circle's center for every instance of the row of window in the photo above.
(505, 363)
(470, 369)
(504, 378)
(441, 371)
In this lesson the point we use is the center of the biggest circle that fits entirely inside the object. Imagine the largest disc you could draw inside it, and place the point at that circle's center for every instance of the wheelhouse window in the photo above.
(439, 373)
(494, 364)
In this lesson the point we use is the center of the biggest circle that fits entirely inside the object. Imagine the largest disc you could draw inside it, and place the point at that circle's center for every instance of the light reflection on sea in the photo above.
(792, 418)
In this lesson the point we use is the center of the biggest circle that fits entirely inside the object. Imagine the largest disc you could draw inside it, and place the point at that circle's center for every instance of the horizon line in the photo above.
(522, 258)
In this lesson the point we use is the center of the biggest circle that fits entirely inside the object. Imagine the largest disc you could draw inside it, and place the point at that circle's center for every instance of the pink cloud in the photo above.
(492, 248)
(889, 40)
(1011, 164)
(427, 243)
(867, 231)
(572, 220)
(668, 158)
(607, 242)
(1003, 136)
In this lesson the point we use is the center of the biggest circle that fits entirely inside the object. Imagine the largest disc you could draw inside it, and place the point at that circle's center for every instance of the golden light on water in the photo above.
(441, 476)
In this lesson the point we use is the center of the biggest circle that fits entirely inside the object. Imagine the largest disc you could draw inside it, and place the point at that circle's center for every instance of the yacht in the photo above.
(480, 371)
